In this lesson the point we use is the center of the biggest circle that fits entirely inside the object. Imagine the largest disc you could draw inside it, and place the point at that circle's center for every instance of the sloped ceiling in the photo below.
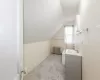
(59, 34)
(43, 18)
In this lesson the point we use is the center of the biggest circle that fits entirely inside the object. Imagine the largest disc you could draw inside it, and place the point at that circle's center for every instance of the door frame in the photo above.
(20, 27)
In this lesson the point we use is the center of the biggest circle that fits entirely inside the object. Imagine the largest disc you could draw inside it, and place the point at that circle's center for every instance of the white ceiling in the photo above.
(43, 18)
(70, 9)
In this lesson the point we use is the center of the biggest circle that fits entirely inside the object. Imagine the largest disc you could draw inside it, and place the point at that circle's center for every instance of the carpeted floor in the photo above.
(49, 69)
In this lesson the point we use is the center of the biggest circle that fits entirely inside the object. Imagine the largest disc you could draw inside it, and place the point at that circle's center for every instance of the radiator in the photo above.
(56, 50)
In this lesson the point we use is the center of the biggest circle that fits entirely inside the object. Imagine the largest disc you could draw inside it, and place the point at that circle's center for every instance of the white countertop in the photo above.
(71, 52)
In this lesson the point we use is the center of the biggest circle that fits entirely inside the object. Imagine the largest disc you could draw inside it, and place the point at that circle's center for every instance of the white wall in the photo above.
(77, 34)
(58, 43)
(90, 18)
(42, 18)
(58, 39)
(35, 53)
(9, 38)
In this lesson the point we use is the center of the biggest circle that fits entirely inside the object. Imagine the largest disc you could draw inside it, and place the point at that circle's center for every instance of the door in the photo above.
(11, 23)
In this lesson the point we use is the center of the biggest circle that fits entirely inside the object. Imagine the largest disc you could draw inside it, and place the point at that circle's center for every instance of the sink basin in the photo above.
(70, 52)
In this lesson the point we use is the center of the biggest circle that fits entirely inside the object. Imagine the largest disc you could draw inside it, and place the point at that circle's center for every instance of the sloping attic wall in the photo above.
(58, 39)
(42, 18)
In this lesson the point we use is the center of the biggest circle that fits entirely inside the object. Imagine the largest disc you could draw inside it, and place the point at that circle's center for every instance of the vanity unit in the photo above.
(73, 63)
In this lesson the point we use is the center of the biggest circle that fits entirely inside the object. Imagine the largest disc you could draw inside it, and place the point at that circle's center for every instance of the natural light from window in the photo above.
(69, 34)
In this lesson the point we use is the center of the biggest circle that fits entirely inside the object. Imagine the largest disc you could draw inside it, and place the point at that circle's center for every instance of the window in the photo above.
(69, 34)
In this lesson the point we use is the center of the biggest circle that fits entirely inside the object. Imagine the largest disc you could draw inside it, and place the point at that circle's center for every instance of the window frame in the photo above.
(72, 34)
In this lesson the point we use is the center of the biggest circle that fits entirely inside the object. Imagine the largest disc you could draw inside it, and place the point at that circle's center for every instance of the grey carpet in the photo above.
(49, 69)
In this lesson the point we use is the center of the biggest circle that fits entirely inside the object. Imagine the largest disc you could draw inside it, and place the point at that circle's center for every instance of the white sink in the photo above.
(70, 52)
